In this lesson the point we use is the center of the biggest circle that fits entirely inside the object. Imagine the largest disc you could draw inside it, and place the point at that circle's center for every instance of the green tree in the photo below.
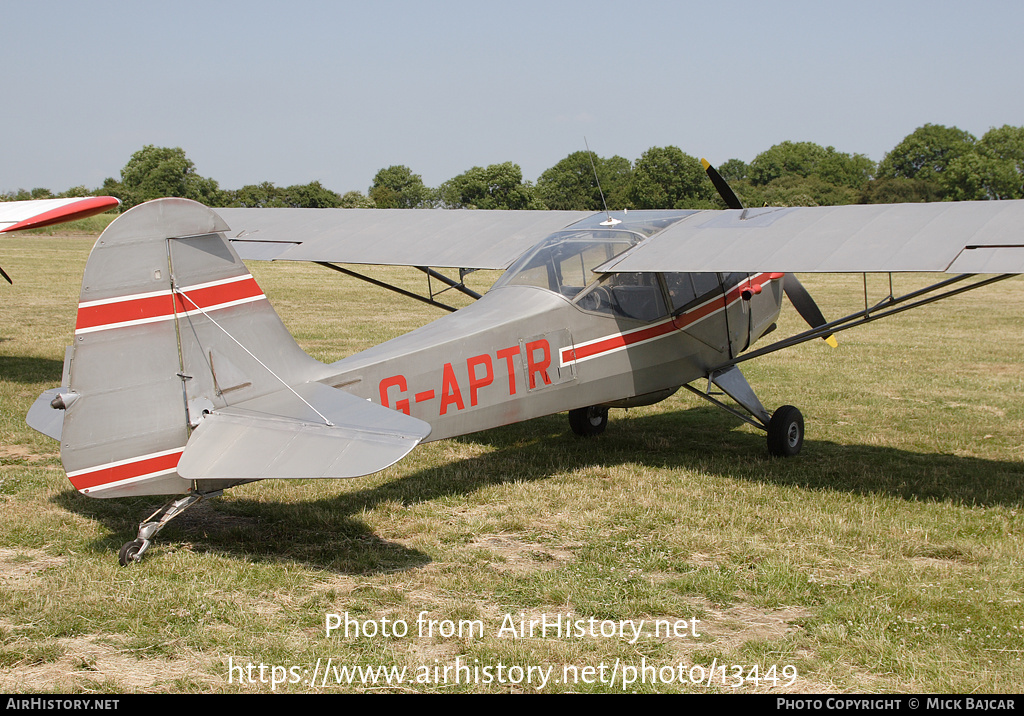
(570, 184)
(310, 196)
(853, 171)
(257, 196)
(498, 186)
(76, 191)
(807, 159)
(796, 190)
(154, 172)
(300, 196)
(926, 152)
(900, 190)
(994, 170)
(356, 200)
(786, 159)
(112, 187)
(666, 178)
(26, 195)
(734, 170)
(396, 187)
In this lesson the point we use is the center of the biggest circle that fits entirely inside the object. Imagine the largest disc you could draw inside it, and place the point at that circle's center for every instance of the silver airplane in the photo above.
(183, 381)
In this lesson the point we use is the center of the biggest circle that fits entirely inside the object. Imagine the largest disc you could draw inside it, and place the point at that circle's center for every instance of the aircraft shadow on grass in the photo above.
(328, 533)
(30, 369)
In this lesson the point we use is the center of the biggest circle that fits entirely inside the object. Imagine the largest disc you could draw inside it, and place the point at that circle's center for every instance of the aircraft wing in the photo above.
(950, 237)
(396, 237)
(36, 213)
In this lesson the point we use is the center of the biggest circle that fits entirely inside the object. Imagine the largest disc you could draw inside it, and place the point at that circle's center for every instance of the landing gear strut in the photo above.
(785, 427)
(132, 551)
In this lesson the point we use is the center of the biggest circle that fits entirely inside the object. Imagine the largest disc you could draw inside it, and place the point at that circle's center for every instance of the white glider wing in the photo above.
(36, 213)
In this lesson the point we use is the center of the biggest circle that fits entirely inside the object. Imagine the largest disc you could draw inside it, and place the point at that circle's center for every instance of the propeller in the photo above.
(724, 190)
(791, 286)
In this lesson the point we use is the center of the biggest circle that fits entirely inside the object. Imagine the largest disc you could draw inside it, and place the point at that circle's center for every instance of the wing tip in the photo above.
(87, 206)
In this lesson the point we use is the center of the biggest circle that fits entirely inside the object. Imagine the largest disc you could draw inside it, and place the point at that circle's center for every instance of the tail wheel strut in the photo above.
(132, 552)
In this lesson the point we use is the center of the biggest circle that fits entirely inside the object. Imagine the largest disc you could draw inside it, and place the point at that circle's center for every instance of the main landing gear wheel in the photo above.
(588, 422)
(785, 432)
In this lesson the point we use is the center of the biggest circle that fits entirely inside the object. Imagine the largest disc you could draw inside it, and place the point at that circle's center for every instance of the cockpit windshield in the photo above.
(565, 261)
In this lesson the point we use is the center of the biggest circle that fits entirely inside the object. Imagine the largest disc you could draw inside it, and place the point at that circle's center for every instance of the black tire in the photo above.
(588, 422)
(785, 432)
(129, 553)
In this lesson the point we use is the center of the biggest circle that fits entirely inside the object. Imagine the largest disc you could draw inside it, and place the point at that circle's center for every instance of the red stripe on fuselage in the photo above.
(664, 328)
(620, 340)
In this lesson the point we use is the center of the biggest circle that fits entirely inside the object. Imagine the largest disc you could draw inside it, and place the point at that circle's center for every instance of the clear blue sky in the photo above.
(291, 92)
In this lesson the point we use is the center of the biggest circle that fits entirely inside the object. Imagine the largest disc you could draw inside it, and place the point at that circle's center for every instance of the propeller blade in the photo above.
(794, 290)
(724, 190)
(4, 274)
(805, 305)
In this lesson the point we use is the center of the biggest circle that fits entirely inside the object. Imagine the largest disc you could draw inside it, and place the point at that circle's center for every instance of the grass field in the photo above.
(887, 557)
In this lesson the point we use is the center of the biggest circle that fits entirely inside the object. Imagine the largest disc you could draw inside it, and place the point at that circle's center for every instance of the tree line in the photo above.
(933, 163)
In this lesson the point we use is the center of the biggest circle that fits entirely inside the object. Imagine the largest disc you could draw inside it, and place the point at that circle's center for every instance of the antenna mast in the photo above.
(590, 155)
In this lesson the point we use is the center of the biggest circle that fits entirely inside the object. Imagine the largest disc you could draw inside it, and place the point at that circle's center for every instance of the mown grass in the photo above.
(885, 558)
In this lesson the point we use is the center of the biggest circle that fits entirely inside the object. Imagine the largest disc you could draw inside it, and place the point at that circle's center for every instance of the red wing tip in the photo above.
(86, 206)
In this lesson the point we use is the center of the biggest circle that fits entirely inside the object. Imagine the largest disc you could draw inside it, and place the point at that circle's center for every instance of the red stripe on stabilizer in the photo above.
(216, 295)
(88, 206)
(84, 480)
(163, 305)
(121, 311)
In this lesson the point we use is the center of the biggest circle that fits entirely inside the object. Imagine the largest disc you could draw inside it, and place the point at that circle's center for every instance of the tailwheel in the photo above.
(588, 422)
(785, 432)
(131, 552)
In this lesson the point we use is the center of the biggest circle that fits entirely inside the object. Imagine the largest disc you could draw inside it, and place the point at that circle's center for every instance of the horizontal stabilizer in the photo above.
(44, 417)
(316, 431)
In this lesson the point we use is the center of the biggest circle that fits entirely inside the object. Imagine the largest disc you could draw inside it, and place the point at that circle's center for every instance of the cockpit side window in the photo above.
(628, 295)
(685, 289)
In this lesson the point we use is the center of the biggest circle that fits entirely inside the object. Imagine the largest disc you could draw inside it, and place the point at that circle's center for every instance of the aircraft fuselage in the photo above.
(524, 351)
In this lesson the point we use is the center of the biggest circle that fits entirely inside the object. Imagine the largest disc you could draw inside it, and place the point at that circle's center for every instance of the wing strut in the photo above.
(390, 287)
(459, 285)
(888, 306)
(732, 382)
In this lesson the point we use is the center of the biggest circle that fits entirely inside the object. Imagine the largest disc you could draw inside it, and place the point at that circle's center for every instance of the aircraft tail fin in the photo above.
(172, 332)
